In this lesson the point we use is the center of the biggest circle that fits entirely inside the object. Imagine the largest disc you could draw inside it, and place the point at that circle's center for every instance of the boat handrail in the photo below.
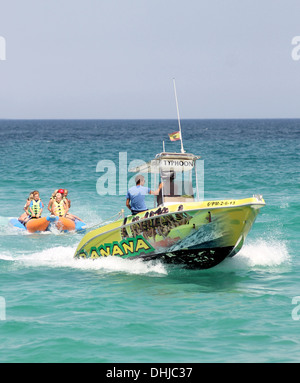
(114, 217)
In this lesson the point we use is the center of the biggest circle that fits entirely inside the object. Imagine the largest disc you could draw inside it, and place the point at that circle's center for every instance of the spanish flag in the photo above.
(175, 136)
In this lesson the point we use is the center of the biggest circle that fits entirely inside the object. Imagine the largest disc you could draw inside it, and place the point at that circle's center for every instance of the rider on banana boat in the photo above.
(65, 197)
(52, 198)
(63, 192)
(34, 210)
(36, 206)
(60, 207)
(24, 217)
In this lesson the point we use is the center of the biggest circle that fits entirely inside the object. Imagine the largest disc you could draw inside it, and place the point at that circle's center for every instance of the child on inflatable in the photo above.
(36, 206)
(52, 198)
(65, 197)
(24, 217)
(65, 203)
(59, 206)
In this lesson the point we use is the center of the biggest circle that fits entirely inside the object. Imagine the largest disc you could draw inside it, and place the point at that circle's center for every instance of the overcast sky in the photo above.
(117, 58)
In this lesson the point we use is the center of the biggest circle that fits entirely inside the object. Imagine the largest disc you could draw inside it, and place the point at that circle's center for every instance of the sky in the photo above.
(116, 59)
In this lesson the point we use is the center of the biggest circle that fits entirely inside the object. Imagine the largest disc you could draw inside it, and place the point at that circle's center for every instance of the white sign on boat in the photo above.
(177, 162)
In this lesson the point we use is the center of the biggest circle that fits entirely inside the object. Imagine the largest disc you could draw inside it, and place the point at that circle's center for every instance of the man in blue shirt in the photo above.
(135, 199)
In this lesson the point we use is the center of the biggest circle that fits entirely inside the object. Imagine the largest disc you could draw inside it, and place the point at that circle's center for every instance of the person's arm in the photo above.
(26, 206)
(128, 203)
(29, 209)
(50, 204)
(41, 206)
(52, 207)
(156, 192)
(66, 207)
(128, 200)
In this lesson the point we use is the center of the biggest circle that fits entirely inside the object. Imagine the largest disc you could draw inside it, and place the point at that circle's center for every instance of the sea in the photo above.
(54, 308)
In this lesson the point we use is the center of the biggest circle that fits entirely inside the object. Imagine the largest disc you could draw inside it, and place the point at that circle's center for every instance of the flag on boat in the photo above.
(175, 136)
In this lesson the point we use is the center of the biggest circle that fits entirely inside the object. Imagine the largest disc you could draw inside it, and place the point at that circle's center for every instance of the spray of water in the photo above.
(58, 257)
(266, 252)
(262, 253)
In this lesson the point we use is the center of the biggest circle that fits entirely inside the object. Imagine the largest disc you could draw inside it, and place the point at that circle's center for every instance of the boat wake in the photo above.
(266, 254)
(63, 257)
(261, 253)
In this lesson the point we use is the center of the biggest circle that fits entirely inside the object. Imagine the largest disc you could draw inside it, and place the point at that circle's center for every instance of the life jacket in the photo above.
(36, 208)
(59, 208)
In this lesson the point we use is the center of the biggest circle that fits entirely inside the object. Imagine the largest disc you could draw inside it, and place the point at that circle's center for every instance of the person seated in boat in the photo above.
(60, 207)
(36, 206)
(69, 215)
(24, 217)
(65, 197)
(52, 198)
(135, 198)
(182, 218)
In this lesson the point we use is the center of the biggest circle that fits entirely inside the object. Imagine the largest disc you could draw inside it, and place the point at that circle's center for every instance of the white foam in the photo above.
(63, 257)
(6, 257)
(261, 253)
(4, 220)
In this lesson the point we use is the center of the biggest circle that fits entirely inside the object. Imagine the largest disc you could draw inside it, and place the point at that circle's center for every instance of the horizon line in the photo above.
(144, 119)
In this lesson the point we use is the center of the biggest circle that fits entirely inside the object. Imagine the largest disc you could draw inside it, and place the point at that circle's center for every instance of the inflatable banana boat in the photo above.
(35, 225)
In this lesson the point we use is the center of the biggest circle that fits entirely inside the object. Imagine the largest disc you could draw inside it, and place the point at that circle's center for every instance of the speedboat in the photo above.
(37, 225)
(180, 228)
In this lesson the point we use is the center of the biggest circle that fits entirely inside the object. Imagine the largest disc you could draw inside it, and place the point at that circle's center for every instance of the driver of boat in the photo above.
(135, 199)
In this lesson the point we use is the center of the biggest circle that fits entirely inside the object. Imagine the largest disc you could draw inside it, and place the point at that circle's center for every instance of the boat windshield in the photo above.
(175, 171)
(176, 186)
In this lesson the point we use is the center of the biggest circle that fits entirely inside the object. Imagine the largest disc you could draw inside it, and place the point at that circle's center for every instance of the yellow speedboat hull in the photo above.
(196, 234)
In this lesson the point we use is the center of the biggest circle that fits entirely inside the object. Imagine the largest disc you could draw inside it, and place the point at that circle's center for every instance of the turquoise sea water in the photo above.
(57, 309)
